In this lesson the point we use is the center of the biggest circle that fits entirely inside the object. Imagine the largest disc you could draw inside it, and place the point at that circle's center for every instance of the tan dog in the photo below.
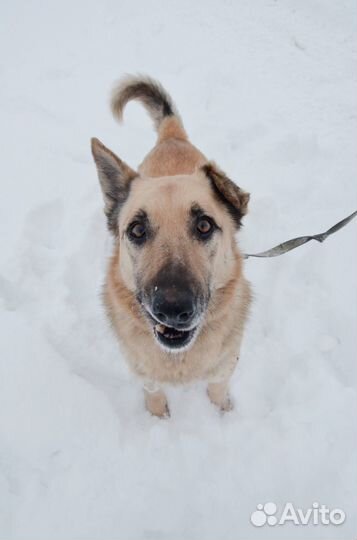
(175, 291)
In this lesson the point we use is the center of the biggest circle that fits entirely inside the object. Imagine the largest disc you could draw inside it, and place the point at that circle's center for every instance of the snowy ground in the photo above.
(268, 90)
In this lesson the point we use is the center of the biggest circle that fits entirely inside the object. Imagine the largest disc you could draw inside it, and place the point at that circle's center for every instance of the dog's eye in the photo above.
(205, 227)
(137, 231)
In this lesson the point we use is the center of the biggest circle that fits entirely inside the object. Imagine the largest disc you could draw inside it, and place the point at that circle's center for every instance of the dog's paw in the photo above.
(167, 413)
(227, 405)
(161, 413)
(157, 405)
(219, 396)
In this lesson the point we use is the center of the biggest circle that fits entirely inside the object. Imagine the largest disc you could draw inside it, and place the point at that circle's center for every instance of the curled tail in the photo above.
(155, 99)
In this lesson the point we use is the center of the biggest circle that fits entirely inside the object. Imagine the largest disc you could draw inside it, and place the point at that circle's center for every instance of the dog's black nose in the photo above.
(174, 308)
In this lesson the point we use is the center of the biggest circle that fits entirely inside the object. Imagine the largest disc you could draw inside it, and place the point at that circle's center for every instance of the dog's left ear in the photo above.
(115, 177)
(233, 197)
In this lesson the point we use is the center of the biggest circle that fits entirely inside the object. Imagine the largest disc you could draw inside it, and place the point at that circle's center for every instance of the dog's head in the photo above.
(176, 238)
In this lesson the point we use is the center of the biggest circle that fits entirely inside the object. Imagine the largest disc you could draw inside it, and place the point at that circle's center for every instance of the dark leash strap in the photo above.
(280, 249)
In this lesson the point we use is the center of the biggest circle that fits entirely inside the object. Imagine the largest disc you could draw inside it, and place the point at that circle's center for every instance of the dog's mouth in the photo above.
(173, 338)
(170, 338)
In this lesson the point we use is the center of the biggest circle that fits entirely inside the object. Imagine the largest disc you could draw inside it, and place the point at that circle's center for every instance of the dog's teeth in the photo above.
(173, 335)
(167, 332)
(160, 328)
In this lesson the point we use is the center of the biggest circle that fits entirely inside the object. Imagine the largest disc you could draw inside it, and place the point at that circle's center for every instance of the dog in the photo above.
(175, 292)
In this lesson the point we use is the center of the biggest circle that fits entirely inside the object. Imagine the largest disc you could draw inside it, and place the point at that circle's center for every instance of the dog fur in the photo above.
(174, 179)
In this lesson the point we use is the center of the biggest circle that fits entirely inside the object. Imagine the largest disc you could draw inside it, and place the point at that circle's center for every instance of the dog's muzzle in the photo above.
(174, 305)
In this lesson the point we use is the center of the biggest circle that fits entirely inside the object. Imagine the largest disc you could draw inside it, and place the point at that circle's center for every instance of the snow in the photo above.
(268, 90)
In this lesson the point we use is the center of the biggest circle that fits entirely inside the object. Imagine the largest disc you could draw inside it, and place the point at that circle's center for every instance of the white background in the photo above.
(268, 90)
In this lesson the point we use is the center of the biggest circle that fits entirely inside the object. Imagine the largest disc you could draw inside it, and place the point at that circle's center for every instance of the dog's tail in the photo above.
(155, 99)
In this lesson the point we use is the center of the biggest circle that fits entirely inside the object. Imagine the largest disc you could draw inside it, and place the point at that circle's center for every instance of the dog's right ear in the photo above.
(115, 177)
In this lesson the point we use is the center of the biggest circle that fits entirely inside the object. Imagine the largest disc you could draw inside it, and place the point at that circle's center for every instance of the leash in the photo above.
(284, 247)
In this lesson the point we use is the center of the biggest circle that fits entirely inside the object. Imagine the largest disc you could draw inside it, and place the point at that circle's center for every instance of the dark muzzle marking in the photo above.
(175, 301)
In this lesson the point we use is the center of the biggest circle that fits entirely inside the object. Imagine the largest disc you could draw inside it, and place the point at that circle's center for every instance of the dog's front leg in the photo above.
(218, 393)
(155, 400)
